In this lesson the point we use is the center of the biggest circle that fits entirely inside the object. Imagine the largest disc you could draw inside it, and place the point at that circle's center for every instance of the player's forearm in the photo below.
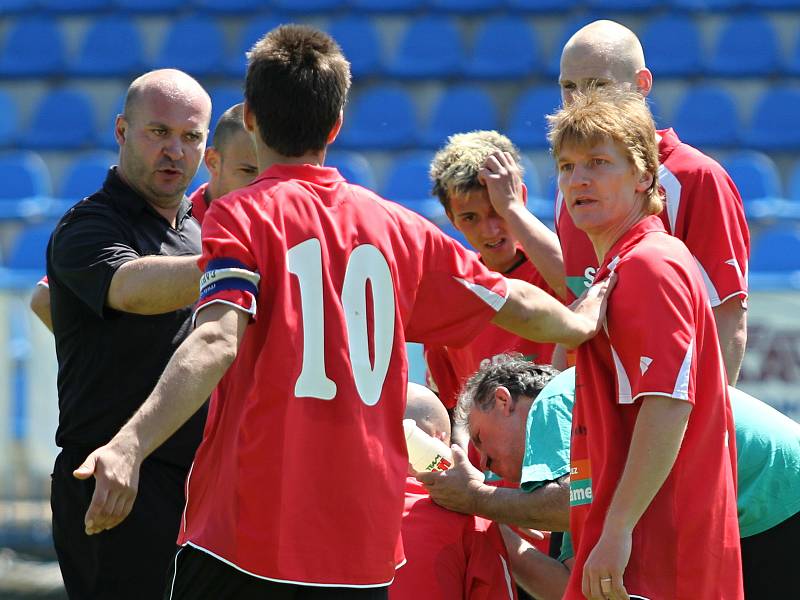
(40, 305)
(191, 375)
(542, 577)
(657, 437)
(154, 285)
(546, 508)
(731, 320)
(541, 245)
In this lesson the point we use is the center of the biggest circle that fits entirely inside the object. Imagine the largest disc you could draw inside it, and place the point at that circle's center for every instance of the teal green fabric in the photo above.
(566, 548)
(768, 447)
(548, 433)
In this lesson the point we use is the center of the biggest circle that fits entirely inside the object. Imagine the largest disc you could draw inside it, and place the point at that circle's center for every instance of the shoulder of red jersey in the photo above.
(683, 160)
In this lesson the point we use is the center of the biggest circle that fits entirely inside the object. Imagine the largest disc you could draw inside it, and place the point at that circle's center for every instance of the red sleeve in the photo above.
(488, 572)
(652, 327)
(717, 235)
(229, 267)
(442, 375)
(457, 295)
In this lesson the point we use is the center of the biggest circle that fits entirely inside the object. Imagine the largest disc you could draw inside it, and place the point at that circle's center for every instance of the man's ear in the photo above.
(524, 194)
(248, 118)
(120, 129)
(644, 81)
(212, 160)
(337, 127)
(645, 181)
(503, 400)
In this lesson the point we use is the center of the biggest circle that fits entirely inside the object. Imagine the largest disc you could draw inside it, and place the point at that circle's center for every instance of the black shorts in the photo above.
(129, 561)
(769, 560)
(196, 575)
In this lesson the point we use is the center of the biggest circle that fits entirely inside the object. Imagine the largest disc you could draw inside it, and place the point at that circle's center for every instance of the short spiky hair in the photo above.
(296, 85)
(455, 167)
(616, 114)
(228, 125)
(519, 376)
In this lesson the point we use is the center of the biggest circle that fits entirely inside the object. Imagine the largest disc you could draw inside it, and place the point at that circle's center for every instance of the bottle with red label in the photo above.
(425, 453)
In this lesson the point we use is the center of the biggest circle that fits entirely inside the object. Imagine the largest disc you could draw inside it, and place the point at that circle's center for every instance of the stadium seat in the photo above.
(104, 137)
(672, 46)
(505, 48)
(386, 6)
(85, 175)
(542, 6)
(75, 6)
(63, 119)
(111, 47)
(24, 174)
(465, 6)
(747, 46)
(794, 183)
(704, 5)
(360, 43)
(552, 66)
(193, 44)
(430, 47)
(624, 5)
(531, 178)
(407, 178)
(353, 167)
(8, 7)
(254, 30)
(792, 66)
(34, 47)
(199, 178)
(755, 176)
(460, 108)
(308, 6)
(380, 118)
(527, 127)
(222, 98)
(706, 116)
(9, 116)
(150, 6)
(29, 249)
(775, 125)
(775, 4)
(244, 7)
(776, 249)
(657, 111)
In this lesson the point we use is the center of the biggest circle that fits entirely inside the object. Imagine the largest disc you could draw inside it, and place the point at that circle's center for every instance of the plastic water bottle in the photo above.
(425, 453)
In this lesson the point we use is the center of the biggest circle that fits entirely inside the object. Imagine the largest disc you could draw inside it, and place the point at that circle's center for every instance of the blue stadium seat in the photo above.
(461, 108)
(353, 167)
(104, 137)
(111, 47)
(308, 6)
(193, 44)
(8, 7)
(63, 119)
(527, 127)
(465, 6)
(360, 43)
(624, 5)
(29, 250)
(430, 47)
(9, 116)
(794, 183)
(199, 178)
(505, 48)
(34, 47)
(672, 46)
(706, 116)
(245, 7)
(657, 111)
(407, 179)
(755, 176)
(380, 118)
(775, 4)
(775, 125)
(552, 66)
(531, 178)
(386, 6)
(747, 46)
(222, 98)
(776, 249)
(150, 6)
(24, 174)
(85, 175)
(704, 5)
(254, 30)
(792, 66)
(74, 6)
(542, 6)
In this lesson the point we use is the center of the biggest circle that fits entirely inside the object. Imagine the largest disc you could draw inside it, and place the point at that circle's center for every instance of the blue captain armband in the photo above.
(225, 274)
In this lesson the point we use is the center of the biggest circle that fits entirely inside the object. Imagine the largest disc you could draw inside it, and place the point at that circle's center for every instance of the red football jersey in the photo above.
(300, 474)
(199, 204)
(450, 555)
(702, 208)
(659, 339)
(450, 367)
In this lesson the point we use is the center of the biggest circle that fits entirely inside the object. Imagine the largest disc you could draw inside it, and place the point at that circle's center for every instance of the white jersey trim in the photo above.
(623, 383)
(174, 573)
(44, 284)
(664, 394)
(290, 581)
(250, 311)
(507, 576)
(682, 381)
(672, 192)
(496, 301)
(713, 295)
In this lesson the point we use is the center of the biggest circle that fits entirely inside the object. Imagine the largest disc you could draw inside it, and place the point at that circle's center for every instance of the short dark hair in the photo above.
(296, 86)
(519, 376)
(229, 124)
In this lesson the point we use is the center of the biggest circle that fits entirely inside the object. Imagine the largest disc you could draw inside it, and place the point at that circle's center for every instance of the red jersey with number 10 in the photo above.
(301, 471)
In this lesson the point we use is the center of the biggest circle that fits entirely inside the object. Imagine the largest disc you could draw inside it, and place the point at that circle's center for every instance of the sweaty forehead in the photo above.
(581, 64)
(172, 107)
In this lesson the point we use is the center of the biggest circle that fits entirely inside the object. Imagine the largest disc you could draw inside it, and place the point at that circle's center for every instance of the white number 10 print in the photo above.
(366, 263)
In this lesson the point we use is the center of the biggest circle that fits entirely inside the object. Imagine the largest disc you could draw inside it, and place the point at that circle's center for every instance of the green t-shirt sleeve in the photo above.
(567, 551)
(548, 434)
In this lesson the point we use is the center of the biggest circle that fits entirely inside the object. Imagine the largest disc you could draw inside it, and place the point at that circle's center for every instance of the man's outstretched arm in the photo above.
(191, 375)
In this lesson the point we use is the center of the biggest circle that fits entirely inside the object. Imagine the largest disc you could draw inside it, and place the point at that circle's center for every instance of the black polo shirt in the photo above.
(109, 361)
